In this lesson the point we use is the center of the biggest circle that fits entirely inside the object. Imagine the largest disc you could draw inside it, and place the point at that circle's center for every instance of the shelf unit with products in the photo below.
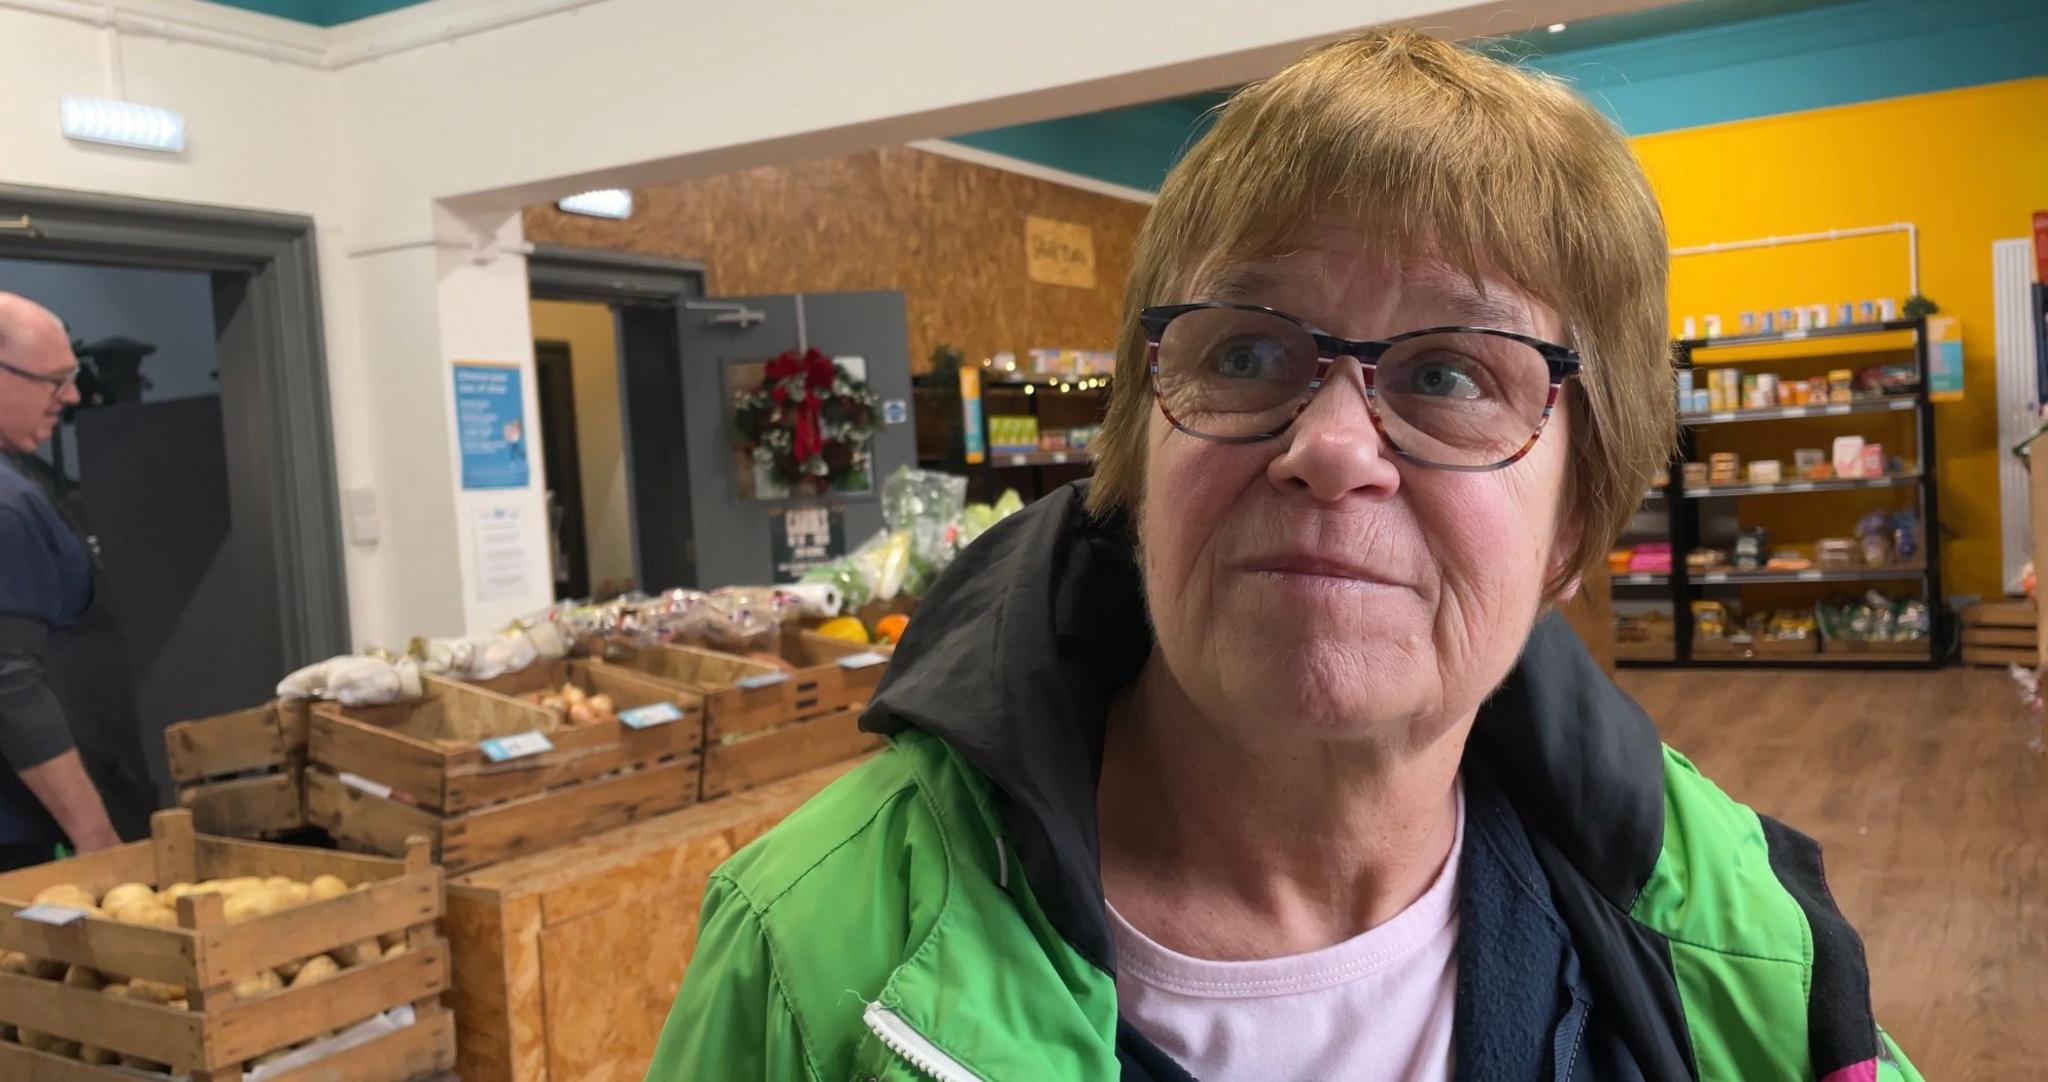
(1037, 428)
(1897, 544)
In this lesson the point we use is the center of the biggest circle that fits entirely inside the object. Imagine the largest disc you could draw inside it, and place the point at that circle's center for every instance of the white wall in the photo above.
(615, 92)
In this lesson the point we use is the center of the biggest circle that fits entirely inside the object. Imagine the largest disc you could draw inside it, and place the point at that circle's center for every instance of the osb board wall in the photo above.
(948, 234)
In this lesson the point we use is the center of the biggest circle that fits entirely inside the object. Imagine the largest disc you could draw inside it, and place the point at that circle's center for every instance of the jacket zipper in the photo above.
(908, 1043)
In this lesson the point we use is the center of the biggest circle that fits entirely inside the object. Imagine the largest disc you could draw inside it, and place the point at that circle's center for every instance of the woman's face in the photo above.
(1317, 585)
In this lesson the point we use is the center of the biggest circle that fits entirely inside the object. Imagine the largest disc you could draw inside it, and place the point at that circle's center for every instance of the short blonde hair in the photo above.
(1431, 150)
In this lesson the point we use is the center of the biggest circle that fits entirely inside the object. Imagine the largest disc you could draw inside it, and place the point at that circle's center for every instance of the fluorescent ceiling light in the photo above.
(603, 203)
(1556, 28)
(123, 123)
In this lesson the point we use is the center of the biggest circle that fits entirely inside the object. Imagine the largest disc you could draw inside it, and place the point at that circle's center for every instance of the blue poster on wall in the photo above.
(490, 423)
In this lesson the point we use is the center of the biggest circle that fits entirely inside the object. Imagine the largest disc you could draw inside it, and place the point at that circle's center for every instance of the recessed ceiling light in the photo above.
(1556, 28)
(122, 124)
(603, 203)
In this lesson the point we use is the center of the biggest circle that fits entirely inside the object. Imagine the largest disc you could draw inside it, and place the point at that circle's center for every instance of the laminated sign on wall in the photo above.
(1059, 253)
(490, 423)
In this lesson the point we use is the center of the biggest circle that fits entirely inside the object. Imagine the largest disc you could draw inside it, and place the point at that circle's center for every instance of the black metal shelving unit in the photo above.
(1683, 514)
(1041, 471)
(940, 430)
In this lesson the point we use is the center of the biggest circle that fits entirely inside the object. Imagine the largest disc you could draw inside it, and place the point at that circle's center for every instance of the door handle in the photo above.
(21, 224)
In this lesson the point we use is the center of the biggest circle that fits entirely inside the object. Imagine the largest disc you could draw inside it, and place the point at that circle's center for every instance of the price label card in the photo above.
(517, 746)
(1795, 411)
(1800, 486)
(357, 781)
(1716, 576)
(1809, 576)
(1059, 458)
(1795, 335)
(59, 915)
(1838, 409)
(862, 661)
(1724, 415)
(647, 717)
(763, 680)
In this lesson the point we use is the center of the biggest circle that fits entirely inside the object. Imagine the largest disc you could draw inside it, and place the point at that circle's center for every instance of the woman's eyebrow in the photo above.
(1485, 309)
(1240, 283)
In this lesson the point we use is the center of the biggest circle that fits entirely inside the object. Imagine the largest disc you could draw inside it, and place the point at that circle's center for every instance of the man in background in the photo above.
(66, 693)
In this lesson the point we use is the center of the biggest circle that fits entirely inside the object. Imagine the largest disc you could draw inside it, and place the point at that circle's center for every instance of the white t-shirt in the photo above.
(1377, 1006)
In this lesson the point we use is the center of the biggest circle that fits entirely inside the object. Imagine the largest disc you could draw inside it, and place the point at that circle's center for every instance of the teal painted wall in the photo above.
(321, 12)
(1807, 59)
(1133, 147)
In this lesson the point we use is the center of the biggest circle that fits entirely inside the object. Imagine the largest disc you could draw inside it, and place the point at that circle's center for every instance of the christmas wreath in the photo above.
(809, 422)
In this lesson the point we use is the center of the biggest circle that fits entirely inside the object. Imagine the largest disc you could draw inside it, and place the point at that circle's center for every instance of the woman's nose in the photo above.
(1334, 448)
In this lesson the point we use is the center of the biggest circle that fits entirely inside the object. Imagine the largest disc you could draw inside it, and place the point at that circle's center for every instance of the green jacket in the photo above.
(937, 913)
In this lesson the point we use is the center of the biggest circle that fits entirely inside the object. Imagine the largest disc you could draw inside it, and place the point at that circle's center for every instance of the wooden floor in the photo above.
(1933, 816)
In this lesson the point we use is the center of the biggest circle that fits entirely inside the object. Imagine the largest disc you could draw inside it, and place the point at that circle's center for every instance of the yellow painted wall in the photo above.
(600, 432)
(1967, 166)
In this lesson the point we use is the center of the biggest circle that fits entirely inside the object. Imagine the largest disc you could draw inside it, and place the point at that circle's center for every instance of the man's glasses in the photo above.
(1454, 398)
(56, 381)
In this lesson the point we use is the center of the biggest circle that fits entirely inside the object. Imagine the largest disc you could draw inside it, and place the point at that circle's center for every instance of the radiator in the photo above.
(2019, 395)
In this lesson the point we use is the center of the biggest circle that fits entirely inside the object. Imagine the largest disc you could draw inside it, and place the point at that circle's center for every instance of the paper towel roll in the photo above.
(819, 599)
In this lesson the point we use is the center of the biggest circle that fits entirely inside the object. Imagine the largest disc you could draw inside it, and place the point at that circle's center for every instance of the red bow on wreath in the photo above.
(816, 370)
(808, 420)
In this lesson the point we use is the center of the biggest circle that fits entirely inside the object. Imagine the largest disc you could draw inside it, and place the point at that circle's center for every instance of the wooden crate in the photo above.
(566, 962)
(1998, 657)
(628, 689)
(241, 774)
(742, 695)
(474, 839)
(1997, 633)
(428, 751)
(205, 955)
(382, 774)
(747, 760)
(762, 741)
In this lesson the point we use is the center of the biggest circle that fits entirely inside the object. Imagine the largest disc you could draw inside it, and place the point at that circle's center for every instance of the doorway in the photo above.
(615, 316)
(202, 458)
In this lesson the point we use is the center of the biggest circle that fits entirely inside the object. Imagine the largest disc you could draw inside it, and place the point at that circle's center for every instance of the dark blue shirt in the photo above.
(46, 584)
(45, 572)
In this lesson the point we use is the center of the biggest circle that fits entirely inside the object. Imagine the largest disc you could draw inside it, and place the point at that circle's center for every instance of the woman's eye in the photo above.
(1247, 358)
(1445, 377)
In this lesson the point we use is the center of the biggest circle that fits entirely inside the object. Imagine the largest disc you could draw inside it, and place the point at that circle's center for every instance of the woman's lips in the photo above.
(1317, 567)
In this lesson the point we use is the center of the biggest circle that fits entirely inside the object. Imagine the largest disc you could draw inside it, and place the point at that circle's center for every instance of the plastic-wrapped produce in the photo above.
(746, 620)
(478, 658)
(355, 681)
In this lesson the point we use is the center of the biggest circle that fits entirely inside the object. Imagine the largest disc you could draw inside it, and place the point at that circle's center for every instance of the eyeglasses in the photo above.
(56, 381)
(1454, 398)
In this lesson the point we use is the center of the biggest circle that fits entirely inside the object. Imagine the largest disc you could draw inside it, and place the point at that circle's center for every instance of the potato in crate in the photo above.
(200, 956)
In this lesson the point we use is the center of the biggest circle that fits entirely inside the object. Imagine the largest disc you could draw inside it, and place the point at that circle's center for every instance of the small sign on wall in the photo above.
(490, 425)
(802, 538)
(501, 555)
(1059, 253)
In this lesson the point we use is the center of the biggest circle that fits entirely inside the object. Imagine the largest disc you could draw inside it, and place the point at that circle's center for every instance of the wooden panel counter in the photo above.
(566, 961)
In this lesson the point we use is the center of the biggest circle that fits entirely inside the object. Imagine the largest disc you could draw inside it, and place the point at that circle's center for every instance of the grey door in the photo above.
(732, 533)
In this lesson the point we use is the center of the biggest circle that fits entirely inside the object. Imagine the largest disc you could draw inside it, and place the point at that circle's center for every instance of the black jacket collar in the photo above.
(1014, 655)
